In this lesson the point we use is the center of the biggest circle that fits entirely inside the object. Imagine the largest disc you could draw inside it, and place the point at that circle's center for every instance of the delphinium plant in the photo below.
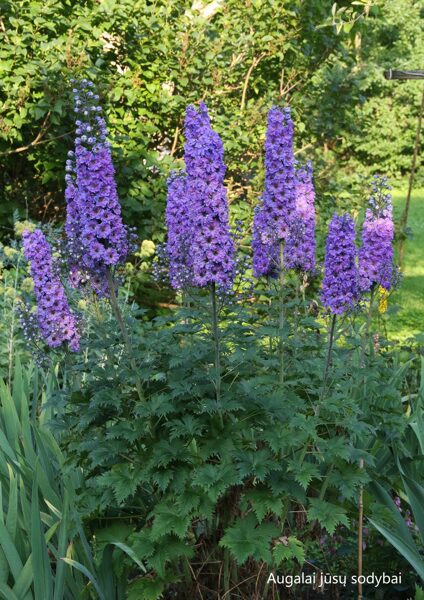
(227, 440)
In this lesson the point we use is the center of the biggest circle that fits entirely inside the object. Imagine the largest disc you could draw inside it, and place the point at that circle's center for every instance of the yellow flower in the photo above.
(27, 284)
(21, 226)
(383, 295)
(82, 304)
(147, 249)
(10, 292)
(9, 251)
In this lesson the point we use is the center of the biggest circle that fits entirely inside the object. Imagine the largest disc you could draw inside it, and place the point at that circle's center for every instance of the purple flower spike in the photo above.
(96, 235)
(299, 250)
(272, 219)
(180, 232)
(56, 322)
(340, 290)
(376, 252)
(212, 248)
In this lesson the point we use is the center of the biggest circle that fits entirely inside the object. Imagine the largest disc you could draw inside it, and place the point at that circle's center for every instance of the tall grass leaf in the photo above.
(10, 416)
(59, 585)
(7, 593)
(387, 501)
(12, 509)
(87, 573)
(6, 447)
(408, 551)
(23, 583)
(415, 493)
(130, 553)
(10, 551)
(42, 571)
(18, 393)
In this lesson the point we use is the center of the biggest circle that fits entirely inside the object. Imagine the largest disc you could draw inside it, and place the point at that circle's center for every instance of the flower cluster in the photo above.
(178, 220)
(201, 249)
(340, 289)
(299, 250)
(97, 238)
(273, 217)
(376, 252)
(56, 322)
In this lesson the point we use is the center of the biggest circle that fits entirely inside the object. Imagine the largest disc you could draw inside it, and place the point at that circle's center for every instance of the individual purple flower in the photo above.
(299, 250)
(96, 235)
(376, 252)
(180, 232)
(278, 204)
(212, 248)
(56, 322)
(340, 290)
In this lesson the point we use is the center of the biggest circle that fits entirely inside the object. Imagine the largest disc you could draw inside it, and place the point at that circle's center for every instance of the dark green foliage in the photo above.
(227, 480)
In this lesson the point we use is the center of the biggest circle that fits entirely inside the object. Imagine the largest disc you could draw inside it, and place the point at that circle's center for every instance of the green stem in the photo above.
(217, 347)
(12, 324)
(282, 316)
(127, 341)
(329, 353)
(296, 312)
(366, 339)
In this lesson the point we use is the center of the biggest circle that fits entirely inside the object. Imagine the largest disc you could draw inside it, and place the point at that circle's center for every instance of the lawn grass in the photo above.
(406, 317)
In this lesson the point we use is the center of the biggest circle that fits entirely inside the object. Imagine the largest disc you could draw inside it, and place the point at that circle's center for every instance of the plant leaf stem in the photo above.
(282, 315)
(118, 316)
(217, 348)
(329, 353)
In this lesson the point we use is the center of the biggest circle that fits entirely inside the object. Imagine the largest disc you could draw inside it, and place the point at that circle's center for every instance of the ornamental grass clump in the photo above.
(340, 289)
(278, 205)
(56, 321)
(376, 252)
(96, 235)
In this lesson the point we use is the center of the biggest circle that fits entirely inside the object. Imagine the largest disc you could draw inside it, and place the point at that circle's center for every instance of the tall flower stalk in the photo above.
(278, 204)
(340, 288)
(200, 248)
(273, 217)
(56, 322)
(376, 251)
(96, 235)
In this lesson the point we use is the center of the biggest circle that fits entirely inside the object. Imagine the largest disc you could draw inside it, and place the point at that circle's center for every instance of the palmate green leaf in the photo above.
(304, 473)
(288, 549)
(328, 515)
(188, 426)
(262, 502)
(168, 520)
(168, 550)
(146, 589)
(216, 478)
(122, 479)
(256, 463)
(347, 478)
(247, 538)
